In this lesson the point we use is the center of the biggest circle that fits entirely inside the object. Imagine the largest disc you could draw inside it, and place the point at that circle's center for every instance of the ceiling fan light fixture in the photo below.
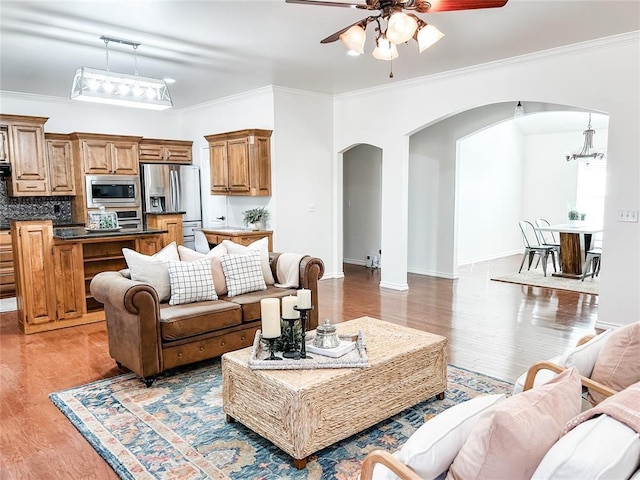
(400, 27)
(385, 50)
(427, 36)
(354, 39)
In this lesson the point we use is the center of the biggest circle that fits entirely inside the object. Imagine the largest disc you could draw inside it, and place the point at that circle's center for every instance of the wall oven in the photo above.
(115, 191)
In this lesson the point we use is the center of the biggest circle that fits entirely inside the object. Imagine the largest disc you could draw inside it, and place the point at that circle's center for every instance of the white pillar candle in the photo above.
(304, 298)
(270, 313)
(287, 307)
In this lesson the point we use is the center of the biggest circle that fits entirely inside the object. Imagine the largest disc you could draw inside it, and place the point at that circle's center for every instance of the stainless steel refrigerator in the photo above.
(173, 188)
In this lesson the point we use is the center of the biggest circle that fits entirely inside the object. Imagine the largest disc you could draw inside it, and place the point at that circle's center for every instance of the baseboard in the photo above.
(490, 257)
(352, 261)
(8, 304)
(431, 273)
(606, 325)
(395, 286)
(331, 276)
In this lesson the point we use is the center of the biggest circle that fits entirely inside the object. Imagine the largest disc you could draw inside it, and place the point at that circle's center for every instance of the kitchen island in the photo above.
(54, 267)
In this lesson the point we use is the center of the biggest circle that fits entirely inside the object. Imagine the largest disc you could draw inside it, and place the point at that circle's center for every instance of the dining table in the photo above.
(575, 241)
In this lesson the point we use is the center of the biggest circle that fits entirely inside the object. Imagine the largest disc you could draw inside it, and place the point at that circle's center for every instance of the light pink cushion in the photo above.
(188, 255)
(510, 440)
(618, 363)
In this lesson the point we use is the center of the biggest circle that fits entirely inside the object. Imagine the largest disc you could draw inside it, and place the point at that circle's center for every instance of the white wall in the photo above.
(66, 116)
(362, 203)
(552, 77)
(489, 193)
(551, 181)
(432, 237)
(254, 109)
(303, 170)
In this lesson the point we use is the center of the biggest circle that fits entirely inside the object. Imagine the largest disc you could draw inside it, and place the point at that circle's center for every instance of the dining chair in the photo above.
(592, 263)
(202, 244)
(548, 238)
(532, 247)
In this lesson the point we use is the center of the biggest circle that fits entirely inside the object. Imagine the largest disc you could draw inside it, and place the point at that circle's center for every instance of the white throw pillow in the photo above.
(543, 376)
(433, 447)
(261, 246)
(153, 269)
(243, 273)
(599, 448)
(191, 282)
(584, 357)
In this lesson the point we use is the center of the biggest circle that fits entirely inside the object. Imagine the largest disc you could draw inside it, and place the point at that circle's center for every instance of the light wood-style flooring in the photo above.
(493, 327)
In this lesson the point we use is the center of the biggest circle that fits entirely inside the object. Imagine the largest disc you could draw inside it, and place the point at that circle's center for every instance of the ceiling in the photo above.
(216, 48)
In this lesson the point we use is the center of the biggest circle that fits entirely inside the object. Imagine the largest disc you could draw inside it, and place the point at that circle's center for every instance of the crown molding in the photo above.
(630, 38)
(258, 92)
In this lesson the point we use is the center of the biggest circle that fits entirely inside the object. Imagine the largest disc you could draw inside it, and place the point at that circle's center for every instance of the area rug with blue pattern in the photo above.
(177, 430)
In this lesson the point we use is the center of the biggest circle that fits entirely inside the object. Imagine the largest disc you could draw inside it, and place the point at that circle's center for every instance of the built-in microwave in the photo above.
(112, 191)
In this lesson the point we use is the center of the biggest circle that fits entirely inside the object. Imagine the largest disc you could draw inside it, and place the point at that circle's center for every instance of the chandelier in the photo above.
(105, 86)
(400, 28)
(587, 153)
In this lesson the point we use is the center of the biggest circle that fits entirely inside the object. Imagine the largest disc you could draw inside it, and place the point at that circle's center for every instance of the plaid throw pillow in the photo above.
(191, 282)
(243, 273)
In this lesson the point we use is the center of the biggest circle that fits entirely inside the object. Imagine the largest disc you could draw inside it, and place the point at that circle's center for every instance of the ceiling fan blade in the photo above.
(336, 36)
(423, 6)
(324, 3)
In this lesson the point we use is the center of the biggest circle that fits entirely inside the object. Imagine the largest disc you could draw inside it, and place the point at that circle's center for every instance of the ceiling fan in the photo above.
(400, 26)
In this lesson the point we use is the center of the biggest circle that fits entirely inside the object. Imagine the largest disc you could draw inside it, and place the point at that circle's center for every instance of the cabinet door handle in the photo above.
(32, 186)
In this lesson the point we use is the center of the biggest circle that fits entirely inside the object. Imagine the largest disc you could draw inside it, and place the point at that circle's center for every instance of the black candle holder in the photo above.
(304, 315)
(271, 342)
(292, 352)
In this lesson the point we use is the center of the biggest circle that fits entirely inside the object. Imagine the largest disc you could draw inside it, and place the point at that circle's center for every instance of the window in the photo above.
(590, 192)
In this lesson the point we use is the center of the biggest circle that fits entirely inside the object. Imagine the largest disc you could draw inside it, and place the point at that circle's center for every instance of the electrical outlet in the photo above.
(628, 216)
(311, 208)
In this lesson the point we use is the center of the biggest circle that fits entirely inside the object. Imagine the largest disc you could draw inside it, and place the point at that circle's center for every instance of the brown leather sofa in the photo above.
(149, 337)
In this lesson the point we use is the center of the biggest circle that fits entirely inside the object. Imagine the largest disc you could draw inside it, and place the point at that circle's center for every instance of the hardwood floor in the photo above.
(493, 327)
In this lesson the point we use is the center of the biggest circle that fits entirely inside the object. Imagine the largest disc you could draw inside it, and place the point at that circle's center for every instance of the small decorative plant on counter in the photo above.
(256, 218)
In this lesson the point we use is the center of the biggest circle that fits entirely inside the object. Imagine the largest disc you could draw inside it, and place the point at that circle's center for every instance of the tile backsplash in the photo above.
(26, 208)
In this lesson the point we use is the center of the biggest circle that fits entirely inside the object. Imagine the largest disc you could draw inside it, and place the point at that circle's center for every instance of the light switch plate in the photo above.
(628, 216)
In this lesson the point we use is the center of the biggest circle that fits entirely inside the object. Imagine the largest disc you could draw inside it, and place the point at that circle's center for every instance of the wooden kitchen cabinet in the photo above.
(106, 154)
(4, 144)
(69, 286)
(7, 279)
(35, 273)
(27, 155)
(243, 237)
(60, 162)
(153, 150)
(172, 223)
(240, 162)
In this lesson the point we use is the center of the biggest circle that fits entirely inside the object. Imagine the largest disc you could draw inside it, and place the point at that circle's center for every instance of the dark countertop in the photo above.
(165, 213)
(6, 223)
(76, 233)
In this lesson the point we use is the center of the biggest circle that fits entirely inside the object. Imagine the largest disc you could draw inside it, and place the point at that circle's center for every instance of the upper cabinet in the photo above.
(106, 154)
(60, 160)
(240, 162)
(26, 153)
(152, 150)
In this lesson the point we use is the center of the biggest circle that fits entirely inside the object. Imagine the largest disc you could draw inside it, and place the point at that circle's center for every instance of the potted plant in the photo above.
(574, 215)
(256, 218)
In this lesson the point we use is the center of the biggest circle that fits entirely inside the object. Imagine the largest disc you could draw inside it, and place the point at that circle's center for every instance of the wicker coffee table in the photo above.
(303, 411)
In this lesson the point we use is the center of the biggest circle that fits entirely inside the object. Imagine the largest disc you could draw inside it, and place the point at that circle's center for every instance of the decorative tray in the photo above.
(356, 358)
